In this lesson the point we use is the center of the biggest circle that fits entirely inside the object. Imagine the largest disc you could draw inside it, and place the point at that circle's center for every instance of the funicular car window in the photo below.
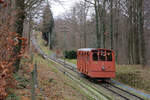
(109, 55)
(82, 53)
(95, 56)
(102, 56)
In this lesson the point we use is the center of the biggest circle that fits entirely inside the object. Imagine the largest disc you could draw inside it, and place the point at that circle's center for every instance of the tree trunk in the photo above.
(111, 23)
(97, 25)
(104, 23)
(130, 33)
(17, 26)
(135, 35)
(116, 27)
(141, 33)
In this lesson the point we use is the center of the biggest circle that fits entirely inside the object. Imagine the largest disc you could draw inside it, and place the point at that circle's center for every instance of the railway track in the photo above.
(98, 91)
(120, 92)
(94, 94)
(72, 73)
(135, 97)
(112, 88)
(109, 86)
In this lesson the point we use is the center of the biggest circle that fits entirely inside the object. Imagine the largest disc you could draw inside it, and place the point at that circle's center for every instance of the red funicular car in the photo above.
(96, 63)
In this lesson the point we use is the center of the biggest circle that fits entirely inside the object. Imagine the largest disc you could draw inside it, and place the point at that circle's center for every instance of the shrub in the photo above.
(70, 54)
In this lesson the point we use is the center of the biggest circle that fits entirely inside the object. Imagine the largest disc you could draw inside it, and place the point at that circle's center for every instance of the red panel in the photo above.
(102, 74)
(94, 68)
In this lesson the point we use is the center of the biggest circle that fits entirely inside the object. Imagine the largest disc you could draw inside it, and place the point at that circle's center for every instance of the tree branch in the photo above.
(89, 2)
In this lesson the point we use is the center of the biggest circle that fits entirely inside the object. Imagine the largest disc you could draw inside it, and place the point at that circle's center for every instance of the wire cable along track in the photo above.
(94, 90)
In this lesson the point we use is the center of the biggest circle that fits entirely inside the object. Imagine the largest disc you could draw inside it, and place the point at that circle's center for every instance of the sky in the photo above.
(59, 9)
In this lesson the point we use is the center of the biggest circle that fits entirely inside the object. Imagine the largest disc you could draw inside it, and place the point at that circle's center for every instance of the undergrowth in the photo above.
(134, 76)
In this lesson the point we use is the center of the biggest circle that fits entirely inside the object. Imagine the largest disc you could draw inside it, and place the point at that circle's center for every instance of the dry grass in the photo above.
(134, 75)
(74, 61)
(52, 85)
(55, 85)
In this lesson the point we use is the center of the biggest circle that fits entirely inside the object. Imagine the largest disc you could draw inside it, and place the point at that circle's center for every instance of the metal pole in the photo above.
(64, 45)
(34, 82)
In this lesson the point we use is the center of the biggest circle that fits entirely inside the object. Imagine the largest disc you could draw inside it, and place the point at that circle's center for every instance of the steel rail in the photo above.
(116, 93)
(119, 94)
(73, 70)
(95, 94)
(110, 84)
(70, 67)
(120, 89)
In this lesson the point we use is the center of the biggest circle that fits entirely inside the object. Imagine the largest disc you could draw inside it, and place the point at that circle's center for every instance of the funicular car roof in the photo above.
(90, 49)
(86, 49)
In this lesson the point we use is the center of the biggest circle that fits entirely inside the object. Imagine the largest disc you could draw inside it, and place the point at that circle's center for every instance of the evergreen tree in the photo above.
(48, 25)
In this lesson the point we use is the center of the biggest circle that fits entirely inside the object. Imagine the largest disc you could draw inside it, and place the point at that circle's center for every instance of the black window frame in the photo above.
(110, 56)
(97, 59)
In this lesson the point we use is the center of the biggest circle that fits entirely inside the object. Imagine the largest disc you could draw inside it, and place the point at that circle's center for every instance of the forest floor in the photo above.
(52, 85)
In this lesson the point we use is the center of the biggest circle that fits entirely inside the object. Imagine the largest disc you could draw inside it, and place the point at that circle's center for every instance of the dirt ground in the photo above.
(52, 84)
(56, 86)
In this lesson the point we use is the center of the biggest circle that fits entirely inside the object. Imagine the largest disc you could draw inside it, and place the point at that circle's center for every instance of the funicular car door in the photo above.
(87, 62)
